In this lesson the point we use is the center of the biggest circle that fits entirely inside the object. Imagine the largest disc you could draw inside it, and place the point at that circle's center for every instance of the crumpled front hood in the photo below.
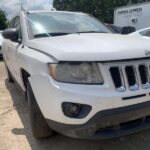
(92, 47)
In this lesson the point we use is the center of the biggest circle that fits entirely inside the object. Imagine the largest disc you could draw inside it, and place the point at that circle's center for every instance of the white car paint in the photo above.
(139, 33)
(34, 55)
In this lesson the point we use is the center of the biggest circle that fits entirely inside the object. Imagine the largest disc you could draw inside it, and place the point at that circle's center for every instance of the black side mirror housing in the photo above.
(11, 34)
(128, 30)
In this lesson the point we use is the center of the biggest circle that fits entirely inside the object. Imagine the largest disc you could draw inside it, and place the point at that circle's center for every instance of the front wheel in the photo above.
(40, 128)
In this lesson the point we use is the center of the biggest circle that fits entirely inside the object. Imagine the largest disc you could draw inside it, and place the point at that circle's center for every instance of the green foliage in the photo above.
(3, 20)
(102, 9)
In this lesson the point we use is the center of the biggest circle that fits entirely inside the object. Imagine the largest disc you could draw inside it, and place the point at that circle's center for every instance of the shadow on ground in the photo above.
(1, 59)
(139, 141)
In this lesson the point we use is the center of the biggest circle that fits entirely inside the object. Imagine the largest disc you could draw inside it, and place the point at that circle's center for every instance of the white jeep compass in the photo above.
(80, 79)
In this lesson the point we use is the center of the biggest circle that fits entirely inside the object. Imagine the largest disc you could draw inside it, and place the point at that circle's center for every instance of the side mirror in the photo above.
(11, 34)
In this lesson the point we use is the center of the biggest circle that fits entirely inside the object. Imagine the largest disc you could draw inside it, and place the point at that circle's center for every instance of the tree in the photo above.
(3, 20)
(102, 9)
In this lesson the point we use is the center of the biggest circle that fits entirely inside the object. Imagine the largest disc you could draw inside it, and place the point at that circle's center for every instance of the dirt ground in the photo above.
(15, 132)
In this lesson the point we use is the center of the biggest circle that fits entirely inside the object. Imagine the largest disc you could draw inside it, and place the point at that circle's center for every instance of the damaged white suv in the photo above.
(80, 79)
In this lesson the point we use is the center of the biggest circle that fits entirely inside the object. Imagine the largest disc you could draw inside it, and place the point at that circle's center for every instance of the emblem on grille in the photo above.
(147, 53)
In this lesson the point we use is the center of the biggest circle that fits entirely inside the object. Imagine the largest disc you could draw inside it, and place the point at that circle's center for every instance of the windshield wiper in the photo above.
(91, 32)
(50, 34)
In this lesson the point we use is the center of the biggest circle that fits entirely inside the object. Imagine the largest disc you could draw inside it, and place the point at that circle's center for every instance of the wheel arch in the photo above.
(25, 75)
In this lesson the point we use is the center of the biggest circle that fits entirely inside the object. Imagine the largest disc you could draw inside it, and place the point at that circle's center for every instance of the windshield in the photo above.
(56, 24)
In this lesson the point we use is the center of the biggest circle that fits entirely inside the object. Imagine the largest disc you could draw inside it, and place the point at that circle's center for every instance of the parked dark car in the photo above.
(121, 30)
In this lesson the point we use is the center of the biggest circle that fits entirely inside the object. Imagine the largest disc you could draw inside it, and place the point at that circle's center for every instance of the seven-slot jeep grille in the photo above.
(132, 76)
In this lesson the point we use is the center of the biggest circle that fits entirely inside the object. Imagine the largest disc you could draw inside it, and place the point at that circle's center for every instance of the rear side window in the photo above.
(17, 22)
(11, 25)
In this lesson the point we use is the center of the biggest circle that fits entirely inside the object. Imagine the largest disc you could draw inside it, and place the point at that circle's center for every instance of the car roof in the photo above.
(41, 11)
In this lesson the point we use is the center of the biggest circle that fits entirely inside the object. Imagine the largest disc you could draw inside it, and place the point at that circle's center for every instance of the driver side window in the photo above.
(15, 23)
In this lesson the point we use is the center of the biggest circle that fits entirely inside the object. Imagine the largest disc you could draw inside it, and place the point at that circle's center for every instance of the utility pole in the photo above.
(21, 4)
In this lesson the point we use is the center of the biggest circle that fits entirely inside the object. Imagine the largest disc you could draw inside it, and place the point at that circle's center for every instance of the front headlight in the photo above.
(77, 73)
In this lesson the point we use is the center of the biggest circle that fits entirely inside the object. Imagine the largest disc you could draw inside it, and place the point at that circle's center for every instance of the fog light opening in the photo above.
(71, 110)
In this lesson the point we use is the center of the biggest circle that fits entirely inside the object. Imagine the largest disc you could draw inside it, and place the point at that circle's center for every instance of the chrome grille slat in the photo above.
(138, 75)
(135, 87)
(131, 77)
(125, 77)
(122, 88)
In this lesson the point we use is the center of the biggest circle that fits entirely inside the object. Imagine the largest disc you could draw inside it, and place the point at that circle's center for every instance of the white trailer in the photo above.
(137, 16)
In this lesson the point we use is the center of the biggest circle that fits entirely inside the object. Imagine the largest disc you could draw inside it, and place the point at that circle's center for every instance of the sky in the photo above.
(11, 7)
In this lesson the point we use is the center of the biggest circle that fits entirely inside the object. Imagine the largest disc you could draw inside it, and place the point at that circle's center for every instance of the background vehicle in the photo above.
(121, 30)
(144, 32)
(137, 16)
(1, 41)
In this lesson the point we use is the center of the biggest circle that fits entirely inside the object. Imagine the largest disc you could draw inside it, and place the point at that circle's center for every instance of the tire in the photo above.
(10, 79)
(39, 126)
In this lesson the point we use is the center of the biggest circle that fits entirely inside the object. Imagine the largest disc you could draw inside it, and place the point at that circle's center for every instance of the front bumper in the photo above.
(50, 96)
(109, 123)
(112, 114)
